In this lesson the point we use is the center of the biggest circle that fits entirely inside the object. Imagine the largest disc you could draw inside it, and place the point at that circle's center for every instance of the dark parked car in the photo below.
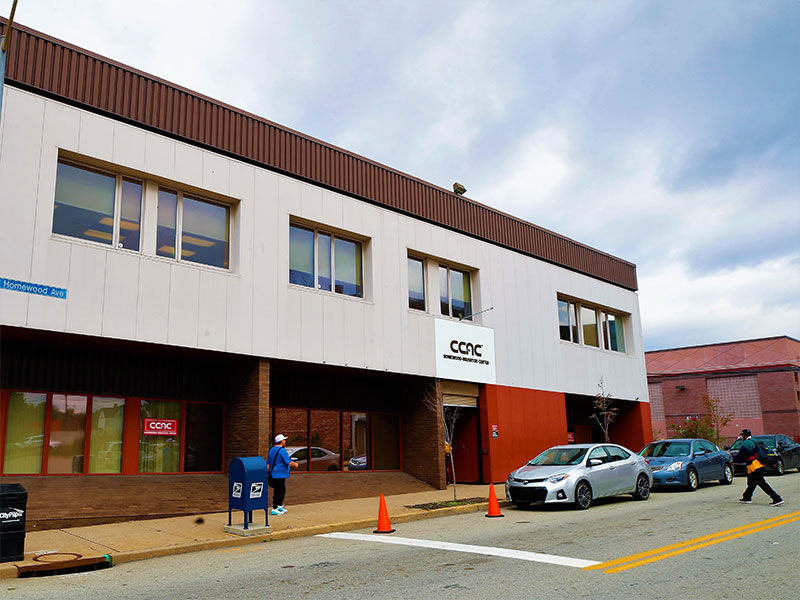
(783, 448)
(687, 462)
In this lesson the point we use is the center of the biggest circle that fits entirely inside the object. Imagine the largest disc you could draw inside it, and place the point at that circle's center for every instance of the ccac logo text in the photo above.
(465, 351)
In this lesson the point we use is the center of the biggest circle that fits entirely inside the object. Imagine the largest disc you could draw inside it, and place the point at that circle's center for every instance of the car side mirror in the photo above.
(593, 462)
(727, 447)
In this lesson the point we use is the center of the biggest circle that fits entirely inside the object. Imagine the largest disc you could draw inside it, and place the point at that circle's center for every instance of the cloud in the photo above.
(746, 302)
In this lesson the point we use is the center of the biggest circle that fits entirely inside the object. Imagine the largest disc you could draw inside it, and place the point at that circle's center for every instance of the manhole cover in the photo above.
(57, 557)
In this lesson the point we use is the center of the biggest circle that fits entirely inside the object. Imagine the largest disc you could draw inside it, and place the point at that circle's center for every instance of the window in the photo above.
(97, 206)
(616, 453)
(568, 321)
(325, 261)
(195, 230)
(454, 291)
(416, 283)
(587, 325)
(56, 433)
(340, 440)
(613, 333)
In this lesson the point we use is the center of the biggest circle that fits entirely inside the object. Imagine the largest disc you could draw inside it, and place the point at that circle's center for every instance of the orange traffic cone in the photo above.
(384, 526)
(494, 506)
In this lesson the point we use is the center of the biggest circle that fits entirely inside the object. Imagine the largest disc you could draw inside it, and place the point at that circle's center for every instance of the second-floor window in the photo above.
(192, 229)
(98, 206)
(455, 293)
(590, 326)
(325, 261)
(416, 283)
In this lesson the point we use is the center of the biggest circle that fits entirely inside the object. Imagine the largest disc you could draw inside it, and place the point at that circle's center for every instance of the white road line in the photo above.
(434, 545)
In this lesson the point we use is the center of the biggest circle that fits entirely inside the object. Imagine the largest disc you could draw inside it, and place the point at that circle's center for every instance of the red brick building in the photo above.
(757, 381)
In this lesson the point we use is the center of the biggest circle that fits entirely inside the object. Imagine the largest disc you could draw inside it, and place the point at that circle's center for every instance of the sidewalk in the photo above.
(62, 549)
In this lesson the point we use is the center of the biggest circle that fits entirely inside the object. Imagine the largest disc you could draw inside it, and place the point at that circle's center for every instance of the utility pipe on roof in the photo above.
(4, 40)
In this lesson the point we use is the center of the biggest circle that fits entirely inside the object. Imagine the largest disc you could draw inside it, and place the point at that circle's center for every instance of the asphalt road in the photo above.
(749, 551)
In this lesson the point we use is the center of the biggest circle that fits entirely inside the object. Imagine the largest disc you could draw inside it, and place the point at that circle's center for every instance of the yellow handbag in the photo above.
(754, 466)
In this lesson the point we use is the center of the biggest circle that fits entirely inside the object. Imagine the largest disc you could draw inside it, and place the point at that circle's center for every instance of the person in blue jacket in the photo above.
(748, 454)
(278, 465)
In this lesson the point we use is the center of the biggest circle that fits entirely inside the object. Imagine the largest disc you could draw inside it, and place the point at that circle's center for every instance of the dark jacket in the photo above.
(747, 452)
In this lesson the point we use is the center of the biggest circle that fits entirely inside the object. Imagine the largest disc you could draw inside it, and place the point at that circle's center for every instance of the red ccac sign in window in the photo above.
(160, 427)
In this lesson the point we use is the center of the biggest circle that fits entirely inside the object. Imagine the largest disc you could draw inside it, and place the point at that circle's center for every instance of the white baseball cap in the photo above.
(279, 438)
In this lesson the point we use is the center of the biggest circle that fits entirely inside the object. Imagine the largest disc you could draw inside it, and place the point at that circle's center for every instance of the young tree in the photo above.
(604, 412)
(707, 426)
(449, 415)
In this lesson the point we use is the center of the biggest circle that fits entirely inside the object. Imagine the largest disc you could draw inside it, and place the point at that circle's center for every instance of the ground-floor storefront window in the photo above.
(61, 434)
(337, 440)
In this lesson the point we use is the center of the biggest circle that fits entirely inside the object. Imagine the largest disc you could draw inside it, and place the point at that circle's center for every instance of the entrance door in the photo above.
(466, 450)
(462, 399)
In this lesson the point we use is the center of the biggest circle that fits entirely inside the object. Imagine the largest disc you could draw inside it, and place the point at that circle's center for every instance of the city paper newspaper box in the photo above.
(247, 487)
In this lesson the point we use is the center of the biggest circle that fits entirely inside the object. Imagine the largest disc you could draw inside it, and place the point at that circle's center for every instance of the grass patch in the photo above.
(448, 503)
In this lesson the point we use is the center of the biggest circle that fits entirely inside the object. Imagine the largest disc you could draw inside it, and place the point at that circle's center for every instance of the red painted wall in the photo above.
(528, 421)
(632, 426)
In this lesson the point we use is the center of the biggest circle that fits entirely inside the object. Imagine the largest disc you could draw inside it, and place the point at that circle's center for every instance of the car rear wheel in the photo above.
(642, 488)
(727, 475)
(779, 467)
(583, 496)
(691, 476)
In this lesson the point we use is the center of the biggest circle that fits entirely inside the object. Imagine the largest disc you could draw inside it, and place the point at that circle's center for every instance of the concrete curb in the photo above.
(11, 571)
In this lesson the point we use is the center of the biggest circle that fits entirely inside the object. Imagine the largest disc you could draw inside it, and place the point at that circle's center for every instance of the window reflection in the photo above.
(324, 439)
(84, 203)
(301, 256)
(167, 223)
(204, 233)
(324, 247)
(416, 284)
(130, 214)
(105, 453)
(24, 433)
(67, 434)
(356, 441)
(589, 326)
(293, 423)
(159, 453)
(455, 293)
(347, 267)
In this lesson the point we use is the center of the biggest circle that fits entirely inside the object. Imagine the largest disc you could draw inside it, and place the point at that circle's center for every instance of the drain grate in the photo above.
(56, 564)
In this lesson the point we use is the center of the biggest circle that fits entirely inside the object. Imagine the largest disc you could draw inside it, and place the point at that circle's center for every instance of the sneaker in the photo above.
(275, 512)
(743, 501)
(776, 503)
(282, 509)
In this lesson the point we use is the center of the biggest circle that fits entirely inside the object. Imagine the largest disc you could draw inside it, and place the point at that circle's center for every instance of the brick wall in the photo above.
(423, 434)
(779, 403)
(248, 431)
(681, 403)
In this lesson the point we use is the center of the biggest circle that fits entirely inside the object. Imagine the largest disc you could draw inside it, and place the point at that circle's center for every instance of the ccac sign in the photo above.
(464, 352)
(160, 427)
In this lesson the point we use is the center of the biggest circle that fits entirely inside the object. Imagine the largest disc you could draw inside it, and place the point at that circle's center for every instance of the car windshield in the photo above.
(658, 449)
(767, 440)
(559, 456)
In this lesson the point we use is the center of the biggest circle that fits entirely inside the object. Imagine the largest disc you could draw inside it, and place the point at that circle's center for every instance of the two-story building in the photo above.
(181, 280)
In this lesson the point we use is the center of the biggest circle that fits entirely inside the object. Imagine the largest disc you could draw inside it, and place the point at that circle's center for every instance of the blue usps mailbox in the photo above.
(247, 487)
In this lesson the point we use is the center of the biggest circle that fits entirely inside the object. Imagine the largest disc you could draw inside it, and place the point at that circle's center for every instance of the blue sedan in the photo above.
(687, 462)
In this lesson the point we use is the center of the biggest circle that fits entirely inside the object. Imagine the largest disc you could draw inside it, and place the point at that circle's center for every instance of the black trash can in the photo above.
(13, 502)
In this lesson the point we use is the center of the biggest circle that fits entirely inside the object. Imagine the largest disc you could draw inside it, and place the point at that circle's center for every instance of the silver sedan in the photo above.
(578, 473)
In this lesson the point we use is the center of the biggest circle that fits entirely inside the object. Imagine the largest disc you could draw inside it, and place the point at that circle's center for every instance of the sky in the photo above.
(664, 133)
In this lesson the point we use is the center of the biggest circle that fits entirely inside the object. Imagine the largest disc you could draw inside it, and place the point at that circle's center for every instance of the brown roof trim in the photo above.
(59, 70)
(712, 344)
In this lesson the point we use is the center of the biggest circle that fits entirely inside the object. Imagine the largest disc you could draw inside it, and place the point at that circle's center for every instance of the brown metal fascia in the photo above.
(71, 74)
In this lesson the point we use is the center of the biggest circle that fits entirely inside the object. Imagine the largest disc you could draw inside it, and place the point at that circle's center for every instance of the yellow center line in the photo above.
(691, 542)
(698, 546)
